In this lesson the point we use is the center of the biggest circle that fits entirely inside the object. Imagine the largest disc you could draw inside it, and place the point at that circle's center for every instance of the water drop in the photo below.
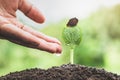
(58, 54)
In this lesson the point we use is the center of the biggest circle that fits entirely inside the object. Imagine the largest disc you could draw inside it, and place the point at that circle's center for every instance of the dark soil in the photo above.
(65, 72)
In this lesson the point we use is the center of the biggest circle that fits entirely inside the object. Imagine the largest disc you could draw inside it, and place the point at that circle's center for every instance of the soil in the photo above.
(64, 72)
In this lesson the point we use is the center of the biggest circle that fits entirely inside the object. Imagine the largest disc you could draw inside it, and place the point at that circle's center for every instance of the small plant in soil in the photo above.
(72, 36)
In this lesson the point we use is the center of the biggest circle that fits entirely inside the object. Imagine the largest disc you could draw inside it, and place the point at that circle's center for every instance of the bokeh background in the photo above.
(99, 21)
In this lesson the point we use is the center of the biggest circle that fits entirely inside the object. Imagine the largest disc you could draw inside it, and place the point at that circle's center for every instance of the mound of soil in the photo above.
(64, 72)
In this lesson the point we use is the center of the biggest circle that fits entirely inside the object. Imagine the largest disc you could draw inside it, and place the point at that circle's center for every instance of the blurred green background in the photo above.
(100, 46)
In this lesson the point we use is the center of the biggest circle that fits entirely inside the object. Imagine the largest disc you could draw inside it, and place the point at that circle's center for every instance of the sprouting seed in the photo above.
(72, 36)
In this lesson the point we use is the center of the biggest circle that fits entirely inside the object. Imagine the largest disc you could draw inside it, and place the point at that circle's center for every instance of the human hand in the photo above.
(14, 31)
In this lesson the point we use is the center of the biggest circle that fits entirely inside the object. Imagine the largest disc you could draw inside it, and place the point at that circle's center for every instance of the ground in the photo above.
(64, 72)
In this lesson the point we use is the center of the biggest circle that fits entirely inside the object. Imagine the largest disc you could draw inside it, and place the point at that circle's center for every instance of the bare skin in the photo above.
(14, 31)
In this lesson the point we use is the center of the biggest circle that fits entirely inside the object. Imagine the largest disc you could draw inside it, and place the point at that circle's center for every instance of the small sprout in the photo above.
(72, 36)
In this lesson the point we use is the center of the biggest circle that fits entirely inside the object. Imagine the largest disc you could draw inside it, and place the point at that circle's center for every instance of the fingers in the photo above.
(31, 11)
(34, 32)
(41, 35)
(50, 40)
(19, 36)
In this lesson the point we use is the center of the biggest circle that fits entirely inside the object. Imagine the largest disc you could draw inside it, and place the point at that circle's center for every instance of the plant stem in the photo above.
(71, 55)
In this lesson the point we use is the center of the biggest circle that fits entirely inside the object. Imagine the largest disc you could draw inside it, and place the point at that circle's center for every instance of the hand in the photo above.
(14, 31)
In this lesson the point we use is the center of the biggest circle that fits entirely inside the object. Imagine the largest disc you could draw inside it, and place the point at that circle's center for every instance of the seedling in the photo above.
(72, 36)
